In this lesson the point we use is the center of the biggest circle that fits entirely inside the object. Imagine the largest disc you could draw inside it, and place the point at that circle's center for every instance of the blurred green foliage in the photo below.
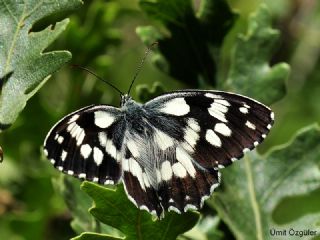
(241, 46)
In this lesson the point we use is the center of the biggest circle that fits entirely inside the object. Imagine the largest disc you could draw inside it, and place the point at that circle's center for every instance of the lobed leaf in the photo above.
(23, 65)
(191, 41)
(113, 208)
(250, 73)
(252, 189)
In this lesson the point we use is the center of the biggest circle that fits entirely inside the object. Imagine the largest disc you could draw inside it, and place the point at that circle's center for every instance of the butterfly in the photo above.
(166, 152)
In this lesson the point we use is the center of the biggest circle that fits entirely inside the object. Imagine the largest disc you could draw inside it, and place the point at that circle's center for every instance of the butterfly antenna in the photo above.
(98, 77)
(141, 64)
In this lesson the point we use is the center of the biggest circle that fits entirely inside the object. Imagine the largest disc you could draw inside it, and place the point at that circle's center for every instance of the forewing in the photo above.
(218, 127)
(87, 144)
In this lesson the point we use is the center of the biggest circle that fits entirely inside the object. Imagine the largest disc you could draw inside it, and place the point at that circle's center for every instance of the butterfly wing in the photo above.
(174, 164)
(229, 124)
(87, 144)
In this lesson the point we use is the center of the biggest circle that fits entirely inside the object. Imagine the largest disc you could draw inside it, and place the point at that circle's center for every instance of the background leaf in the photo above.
(145, 93)
(253, 188)
(23, 65)
(189, 43)
(250, 73)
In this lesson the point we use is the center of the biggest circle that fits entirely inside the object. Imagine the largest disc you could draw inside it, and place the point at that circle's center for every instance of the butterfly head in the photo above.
(124, 98)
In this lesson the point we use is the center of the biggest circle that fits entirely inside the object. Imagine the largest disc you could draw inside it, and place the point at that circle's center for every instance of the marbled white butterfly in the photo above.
(166, 152)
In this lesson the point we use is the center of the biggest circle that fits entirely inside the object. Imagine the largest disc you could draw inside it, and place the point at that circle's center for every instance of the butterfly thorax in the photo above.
(124, 99)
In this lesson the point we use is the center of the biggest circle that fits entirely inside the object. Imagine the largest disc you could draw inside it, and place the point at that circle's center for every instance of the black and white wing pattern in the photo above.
(167, 152)
(86, 144)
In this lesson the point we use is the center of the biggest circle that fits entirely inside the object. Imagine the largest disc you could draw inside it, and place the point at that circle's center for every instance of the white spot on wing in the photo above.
(80, 137)
(63, 155)
(220, 166)
(205, 197)
(85, 151)
(211, 95)
(111, 149)
(213, 187)
(95, 179)
(97, 156)
(146, 180)
(60, 139)
(243, 110)
(186, 160)
(166, 171)
(179, 170)
(174, 209)
(144, 207)
(74, 118)
(176, 106)
(215, 112)
(219, 107)
(189, 206)
(45, 151)
(103, 119)
(213, 138)
(135, 169)
(82, 175)
(108, 181)
(133, 148)
(191, 135)
(163, 140)
(223, 102)
(158, 175)
(125, 165)
(69, 129)
(250, 125)
(70, 172)
(102, 139)
(272, 115)
(193, 124)
(74, 129)
(223, 129)
(245, 150)
(233, 159)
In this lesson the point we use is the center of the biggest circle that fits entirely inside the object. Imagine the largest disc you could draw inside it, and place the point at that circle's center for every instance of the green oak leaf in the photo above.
(113, 208)
(191, 40)
(250, 73)
(24, 67)
(253, 188)
(145, 93)
(78, 203)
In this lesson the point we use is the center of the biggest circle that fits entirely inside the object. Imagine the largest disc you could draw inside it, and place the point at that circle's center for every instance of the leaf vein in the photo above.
(9, 11)
(253, 199)
(15, 36)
